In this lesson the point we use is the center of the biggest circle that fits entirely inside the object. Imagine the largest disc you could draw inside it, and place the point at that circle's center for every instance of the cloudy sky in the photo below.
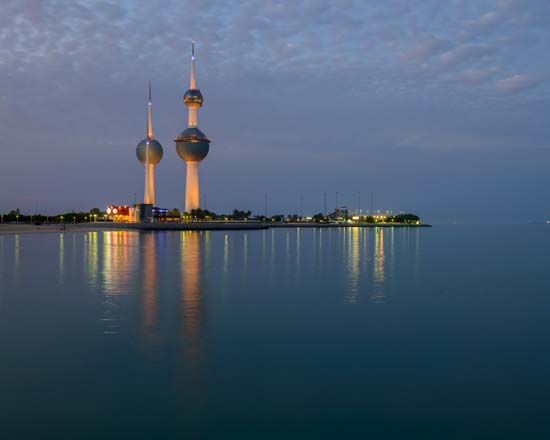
(432, 106)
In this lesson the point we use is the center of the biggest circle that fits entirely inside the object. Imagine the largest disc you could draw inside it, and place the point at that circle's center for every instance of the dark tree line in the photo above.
(15, 216)
(96, 214)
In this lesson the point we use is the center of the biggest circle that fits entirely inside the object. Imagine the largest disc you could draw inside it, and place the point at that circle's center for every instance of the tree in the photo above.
(406, 218)
(319, 218)
(369, 219)
(240, 215)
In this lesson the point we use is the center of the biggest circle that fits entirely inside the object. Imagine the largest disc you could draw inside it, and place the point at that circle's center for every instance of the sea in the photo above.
(290, 333)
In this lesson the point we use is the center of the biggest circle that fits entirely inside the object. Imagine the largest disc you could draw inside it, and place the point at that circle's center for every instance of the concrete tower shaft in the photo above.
(192, 192)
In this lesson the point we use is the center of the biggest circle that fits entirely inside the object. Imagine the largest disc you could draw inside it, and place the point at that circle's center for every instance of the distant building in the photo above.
(163, 215)
(341, 213)
(122, 214)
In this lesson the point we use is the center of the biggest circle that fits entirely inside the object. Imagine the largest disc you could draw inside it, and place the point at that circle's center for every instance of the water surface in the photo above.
(287, 333)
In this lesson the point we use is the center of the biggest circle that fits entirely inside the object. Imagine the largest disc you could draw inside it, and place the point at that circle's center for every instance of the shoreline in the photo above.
(14, 229)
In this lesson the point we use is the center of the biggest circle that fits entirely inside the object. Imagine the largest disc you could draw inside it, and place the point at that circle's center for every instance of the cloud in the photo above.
(73, 76)
(464, 53)
(476, 76)
(486, 20)
(424, 49)
(516, 84)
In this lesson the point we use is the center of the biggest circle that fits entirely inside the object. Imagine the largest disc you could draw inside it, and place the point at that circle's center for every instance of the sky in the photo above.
(435, 107)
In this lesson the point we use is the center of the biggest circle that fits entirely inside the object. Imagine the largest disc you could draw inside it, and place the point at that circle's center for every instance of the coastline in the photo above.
(13, 229)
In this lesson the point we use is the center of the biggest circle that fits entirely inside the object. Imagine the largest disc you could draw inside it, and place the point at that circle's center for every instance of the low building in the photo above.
(122, 214)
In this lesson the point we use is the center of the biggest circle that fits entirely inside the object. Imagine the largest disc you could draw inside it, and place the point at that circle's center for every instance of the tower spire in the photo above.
(149, 116)
(192, 79)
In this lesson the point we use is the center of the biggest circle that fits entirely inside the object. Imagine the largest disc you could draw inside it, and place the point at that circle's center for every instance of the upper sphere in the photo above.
(155, 151)
(192, 145)
(193, 98)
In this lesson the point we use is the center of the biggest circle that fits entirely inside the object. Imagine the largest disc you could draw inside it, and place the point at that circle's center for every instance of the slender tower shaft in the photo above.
(192, 186)
(192, 120)
(149, 193)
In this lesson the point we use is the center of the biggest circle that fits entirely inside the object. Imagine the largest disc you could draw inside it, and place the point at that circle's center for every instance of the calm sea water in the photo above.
(289, 333)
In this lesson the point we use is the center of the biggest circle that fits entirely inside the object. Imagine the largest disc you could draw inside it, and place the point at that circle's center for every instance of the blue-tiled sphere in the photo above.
(192, 145)
(155, 151)
(193, 98)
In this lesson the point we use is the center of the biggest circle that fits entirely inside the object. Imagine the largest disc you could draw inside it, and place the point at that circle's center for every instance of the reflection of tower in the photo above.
(149, 153)
(192, 144)
(149, 284)
(191, 298)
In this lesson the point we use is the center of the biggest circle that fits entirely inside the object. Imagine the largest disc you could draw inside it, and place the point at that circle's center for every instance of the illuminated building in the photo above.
(149, 152)
(122, 214)
(162, 215)
(192, 145)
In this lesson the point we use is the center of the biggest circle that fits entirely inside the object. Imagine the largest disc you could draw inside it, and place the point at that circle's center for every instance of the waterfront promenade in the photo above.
(20, 228)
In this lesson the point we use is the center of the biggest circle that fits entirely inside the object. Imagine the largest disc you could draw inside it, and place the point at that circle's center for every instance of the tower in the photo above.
(149, 152)
(192, 144)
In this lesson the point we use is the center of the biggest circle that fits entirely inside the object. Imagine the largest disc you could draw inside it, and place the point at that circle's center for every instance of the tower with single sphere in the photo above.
(192, 144)
(149, 152)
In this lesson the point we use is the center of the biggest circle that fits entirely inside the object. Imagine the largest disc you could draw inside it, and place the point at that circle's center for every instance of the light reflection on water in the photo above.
(145, 283)
(192, 306)
(176, 328)
(150, 307)
(119, 263)
(378, 295)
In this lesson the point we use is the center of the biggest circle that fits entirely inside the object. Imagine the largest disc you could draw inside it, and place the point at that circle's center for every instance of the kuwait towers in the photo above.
(192, 144)
(149, 153)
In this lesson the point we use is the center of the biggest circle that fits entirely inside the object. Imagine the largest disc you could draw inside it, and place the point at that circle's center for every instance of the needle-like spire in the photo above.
(149, 116)
(192, 80)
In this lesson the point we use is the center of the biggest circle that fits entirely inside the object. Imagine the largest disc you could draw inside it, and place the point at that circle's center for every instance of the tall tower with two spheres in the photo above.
(192, 145)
